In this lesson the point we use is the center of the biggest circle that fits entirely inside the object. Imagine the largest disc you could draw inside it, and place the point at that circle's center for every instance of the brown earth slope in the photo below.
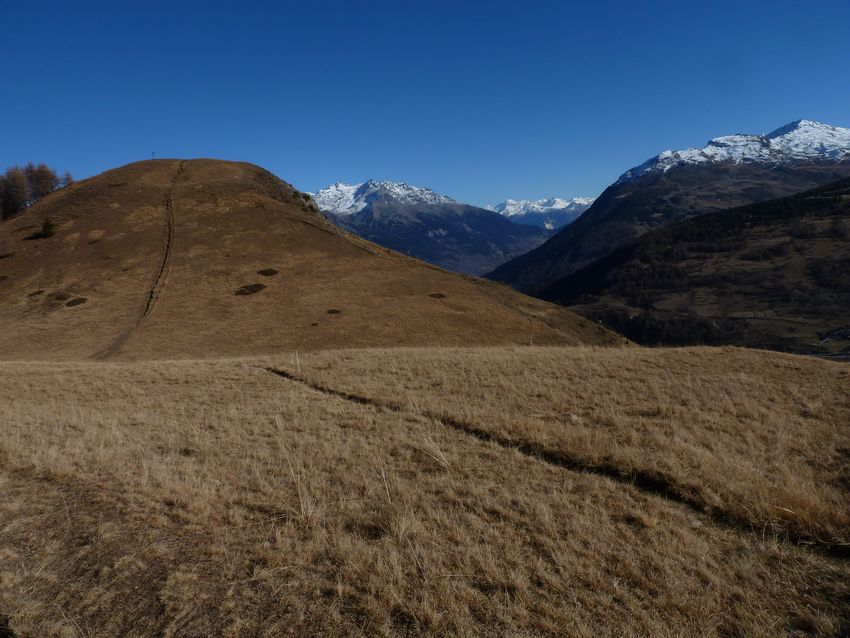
(173, 258)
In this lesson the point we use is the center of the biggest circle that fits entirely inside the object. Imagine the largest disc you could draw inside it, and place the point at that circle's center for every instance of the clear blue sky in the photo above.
(479, 100)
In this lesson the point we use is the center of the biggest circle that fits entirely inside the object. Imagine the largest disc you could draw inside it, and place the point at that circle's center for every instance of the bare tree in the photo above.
(14, 192)
(22, 187)
(42, 181)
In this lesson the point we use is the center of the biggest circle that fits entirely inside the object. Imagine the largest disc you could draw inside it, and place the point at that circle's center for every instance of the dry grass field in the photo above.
(500, 491)
(755, 438)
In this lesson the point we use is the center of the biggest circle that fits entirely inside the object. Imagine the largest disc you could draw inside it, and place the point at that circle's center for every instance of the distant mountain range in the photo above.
(456, 237)
(349, 199)
(435, 228)
(729, 171)
(551, 214)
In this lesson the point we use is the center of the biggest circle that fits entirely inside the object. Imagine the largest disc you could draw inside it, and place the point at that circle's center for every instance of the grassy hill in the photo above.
(199, 258)
(522, 491)
(772, 275)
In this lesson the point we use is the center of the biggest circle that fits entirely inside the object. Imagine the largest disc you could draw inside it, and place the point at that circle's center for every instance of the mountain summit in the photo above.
(802, 140)
(347, 199)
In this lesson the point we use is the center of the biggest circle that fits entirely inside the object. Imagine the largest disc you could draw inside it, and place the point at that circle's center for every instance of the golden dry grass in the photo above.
(757, 437)
(215, 498)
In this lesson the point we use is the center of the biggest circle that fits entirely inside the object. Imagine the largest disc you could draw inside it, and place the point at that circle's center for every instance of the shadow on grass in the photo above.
(5, 629)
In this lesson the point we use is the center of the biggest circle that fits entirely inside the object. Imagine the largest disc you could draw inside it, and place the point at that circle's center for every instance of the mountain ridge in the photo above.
(800, 140)
(677, 188)
(457, 237)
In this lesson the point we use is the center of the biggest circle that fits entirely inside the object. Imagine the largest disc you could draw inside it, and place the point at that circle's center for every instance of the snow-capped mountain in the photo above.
(730, 171)
(550, 213)
(347, 199)
(803, 140)
(512, 207)
(424, 224)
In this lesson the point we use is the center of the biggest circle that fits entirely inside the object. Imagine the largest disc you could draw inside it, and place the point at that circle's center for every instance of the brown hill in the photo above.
(772, 275)
(173, 258)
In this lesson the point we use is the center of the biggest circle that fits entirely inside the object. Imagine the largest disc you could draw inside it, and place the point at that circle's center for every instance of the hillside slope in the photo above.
(172, 258)
(675, 185)
(773, 275)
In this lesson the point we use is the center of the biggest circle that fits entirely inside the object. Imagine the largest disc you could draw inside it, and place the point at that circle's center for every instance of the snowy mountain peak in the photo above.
(347, 199)
(802, 140)
(806, 127)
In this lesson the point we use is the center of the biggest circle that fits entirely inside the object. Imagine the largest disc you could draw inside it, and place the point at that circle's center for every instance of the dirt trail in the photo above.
(654, 483)
(159, 281)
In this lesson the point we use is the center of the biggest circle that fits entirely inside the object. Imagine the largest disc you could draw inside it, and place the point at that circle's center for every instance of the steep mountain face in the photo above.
(675, 185)
(203, 258)
(429, 226)
(771, 275)
(551, 214)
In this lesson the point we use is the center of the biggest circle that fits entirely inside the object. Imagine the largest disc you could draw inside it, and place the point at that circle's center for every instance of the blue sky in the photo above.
(478, 100)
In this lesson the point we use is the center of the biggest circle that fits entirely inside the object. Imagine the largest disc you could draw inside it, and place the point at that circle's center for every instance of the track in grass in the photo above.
(159, 281)
(654, 483)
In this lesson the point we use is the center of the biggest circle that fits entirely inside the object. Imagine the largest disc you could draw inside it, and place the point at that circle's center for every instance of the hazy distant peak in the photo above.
(513, 207)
